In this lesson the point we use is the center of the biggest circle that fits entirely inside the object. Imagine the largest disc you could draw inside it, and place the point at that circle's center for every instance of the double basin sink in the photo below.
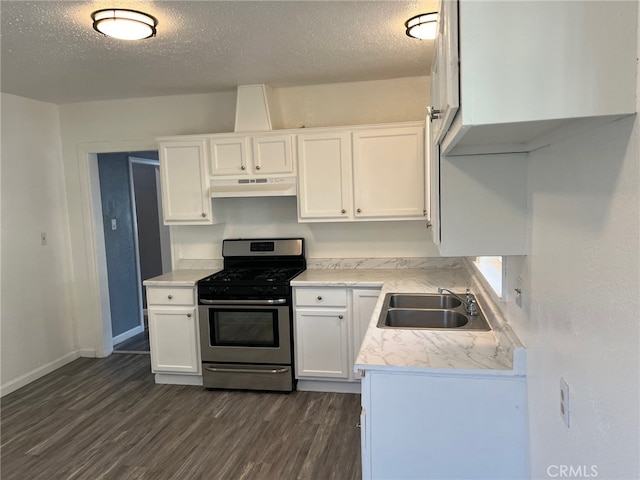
(429, 311)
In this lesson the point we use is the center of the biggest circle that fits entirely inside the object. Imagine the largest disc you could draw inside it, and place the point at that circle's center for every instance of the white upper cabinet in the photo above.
(445, 91)
(324, 175)
(185, 182)
(272, 154)
(244, 155)
(388, 172)
(529, 73)
(230, 155)
(359, 174)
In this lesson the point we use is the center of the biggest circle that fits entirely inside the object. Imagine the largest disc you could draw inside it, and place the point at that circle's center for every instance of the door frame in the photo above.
(93, 322)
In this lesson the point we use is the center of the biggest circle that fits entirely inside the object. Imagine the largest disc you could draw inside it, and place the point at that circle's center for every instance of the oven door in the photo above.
(245, 334)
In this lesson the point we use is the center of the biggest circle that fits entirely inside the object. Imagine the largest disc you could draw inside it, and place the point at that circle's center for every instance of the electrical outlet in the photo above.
(43, 238)
(114, 224)
(564, 401)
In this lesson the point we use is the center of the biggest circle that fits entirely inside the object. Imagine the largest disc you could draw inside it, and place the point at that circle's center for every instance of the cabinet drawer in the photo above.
(327, 297)
(170, 296)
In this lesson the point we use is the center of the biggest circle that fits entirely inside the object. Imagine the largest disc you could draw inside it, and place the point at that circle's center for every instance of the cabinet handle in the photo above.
(257, 167)
(319, 297)
(359, 211)
(169, 297)
(340, 317)
(188, 315)
(343, 211)
(243, 167)
(204, 214)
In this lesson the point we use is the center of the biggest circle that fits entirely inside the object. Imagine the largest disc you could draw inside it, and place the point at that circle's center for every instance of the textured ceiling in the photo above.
(51, 53)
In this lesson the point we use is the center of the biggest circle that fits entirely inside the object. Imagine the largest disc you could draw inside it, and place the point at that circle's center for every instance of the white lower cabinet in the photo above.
(426, 426)
(330, 323)
(173, 332)
(363, 303)
(322, 345)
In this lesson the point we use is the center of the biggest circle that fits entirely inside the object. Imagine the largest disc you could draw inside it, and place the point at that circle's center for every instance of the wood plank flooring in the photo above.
(137, 344)
(107, 419)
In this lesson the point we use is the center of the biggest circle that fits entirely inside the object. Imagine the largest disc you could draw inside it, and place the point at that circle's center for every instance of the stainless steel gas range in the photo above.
(246, 315)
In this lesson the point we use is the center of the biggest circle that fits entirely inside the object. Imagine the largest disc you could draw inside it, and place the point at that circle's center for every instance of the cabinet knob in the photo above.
(340, 317)
(343, 211)
(188, 315)
(319, 297)
(243, 167)
(169, 297)
(204, 214)
(257, 167)
(359, 211)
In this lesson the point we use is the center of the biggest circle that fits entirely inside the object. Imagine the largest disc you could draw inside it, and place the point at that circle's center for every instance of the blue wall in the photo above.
(115, 194)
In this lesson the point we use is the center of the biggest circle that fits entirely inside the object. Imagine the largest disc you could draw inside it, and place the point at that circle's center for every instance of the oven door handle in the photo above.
(277, 301)
(246, 370)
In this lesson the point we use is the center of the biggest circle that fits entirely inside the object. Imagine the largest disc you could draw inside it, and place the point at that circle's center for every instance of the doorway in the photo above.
(136, 242)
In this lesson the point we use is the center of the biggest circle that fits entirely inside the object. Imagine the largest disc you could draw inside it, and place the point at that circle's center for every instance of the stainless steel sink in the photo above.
(425, 300)
(412, 318)
(428, 311)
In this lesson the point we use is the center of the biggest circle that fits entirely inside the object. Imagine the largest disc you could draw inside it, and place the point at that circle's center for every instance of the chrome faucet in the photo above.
(470, 303)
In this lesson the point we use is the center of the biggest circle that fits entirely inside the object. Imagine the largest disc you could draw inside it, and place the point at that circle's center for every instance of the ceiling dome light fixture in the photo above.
(124, 24)
(423, 26)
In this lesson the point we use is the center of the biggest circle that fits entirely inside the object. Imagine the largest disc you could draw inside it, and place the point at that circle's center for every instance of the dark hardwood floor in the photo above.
(107, 419)
(136, 344)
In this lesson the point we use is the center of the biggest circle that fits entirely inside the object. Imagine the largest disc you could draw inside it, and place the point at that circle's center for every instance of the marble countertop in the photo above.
(178, 278)
(497, 352)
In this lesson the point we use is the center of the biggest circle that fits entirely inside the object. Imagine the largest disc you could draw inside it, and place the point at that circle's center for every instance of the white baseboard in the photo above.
(27, 378)
(328, 386)
(88, 352)
(178, 379)
(128, 334)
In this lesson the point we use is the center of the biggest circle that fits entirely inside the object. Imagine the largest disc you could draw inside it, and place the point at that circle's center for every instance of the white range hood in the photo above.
(252, 109)
(253, 115)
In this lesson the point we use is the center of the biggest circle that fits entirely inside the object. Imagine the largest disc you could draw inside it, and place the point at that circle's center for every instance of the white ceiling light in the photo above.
(124, 24)
(422, 26)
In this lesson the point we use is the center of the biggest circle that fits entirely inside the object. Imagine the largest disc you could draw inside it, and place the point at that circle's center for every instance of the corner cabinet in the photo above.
(173, 334)
(330, 324)
(184, 177)
(360, 174)
(517, 89)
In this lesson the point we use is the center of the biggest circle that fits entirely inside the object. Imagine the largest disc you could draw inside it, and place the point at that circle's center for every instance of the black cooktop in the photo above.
(257, 276)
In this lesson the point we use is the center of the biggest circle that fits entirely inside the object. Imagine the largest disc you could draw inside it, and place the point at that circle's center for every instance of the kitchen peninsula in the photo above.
(426, 392)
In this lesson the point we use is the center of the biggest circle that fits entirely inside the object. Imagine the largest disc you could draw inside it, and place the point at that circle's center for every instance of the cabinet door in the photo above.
(322, 343)
(272, 154)
(173, 340)
(324, 176)
(229, 156)
(363, 304)
(185, 183)
(445, 70)
(388, 172)
(432, 181)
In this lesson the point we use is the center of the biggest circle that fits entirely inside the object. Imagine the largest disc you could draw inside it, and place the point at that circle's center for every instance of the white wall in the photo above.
(133, 124)
(354, 103)
(581, 291)
(36, 316)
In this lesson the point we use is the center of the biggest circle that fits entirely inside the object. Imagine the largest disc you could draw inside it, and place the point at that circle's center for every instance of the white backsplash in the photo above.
(383, 263)
(340, 263)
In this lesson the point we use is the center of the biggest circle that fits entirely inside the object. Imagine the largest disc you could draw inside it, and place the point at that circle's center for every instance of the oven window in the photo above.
(245, 328)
